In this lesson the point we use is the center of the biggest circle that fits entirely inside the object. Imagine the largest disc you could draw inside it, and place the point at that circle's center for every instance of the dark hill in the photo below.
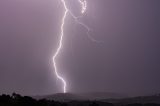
(81, 96)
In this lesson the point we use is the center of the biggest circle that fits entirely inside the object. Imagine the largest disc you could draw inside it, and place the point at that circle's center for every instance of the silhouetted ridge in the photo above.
(18, 100)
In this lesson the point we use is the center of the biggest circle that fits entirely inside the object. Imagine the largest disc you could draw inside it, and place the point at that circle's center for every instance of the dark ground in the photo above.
(18, 100)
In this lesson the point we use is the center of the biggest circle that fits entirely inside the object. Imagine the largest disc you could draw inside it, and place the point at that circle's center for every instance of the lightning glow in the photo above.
(83, 4)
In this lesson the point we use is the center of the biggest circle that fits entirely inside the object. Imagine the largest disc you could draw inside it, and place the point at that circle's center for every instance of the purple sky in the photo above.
(127, 61)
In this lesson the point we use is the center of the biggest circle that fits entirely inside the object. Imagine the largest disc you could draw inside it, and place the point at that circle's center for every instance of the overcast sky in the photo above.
(128, 60)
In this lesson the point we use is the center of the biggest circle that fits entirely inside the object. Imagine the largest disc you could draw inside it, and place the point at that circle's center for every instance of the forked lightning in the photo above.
(83, 4)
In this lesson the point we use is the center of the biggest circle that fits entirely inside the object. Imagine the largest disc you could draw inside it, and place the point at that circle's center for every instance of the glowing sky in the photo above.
(127, 61)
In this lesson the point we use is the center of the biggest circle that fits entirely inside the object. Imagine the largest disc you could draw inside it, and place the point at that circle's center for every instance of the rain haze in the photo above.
(126, 61)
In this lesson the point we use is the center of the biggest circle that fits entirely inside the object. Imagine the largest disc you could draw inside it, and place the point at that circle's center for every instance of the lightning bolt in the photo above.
(60, 46)
(83, 4)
